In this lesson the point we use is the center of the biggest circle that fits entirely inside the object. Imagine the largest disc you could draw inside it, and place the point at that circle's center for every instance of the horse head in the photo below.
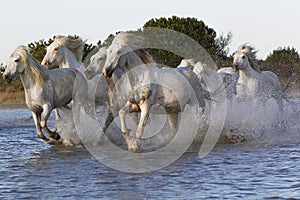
(123, 43)
(96, 64)
(245, 58)
(58, 50)
(14, 65)
(113, 59)
(54, 55)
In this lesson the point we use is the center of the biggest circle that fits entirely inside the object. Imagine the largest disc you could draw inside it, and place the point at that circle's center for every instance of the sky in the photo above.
(265, 24)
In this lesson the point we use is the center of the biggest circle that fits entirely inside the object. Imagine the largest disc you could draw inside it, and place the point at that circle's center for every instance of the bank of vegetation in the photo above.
(284, 61)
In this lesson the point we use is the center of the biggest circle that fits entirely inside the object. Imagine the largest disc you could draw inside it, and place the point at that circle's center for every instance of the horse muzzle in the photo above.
(7, 78)
(235, 68)
(107, 72)
(46, 63)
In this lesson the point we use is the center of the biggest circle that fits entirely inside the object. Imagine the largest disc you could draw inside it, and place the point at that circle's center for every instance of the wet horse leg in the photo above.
(132, 142)
(108, 120)
(57, 115)
(122, 114)
(173, 122)
(37, 119)
(143, 119)
(44, 117)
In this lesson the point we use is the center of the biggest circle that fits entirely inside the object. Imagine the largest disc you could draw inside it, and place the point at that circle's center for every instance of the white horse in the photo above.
(45, 89)
(131, 72)
(257, 84)
(96, 63)
(94, 68)
(67, 53)
(211, 81)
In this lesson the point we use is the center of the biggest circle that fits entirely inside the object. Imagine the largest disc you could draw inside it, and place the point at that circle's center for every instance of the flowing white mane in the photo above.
(251, 54)
(39, 72)
(134, 42)
(74, 45)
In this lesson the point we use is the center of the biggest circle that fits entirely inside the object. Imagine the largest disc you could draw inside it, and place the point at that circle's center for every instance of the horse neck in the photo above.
(134, 61)
(27, 79)
(69, 60)
(248, 74)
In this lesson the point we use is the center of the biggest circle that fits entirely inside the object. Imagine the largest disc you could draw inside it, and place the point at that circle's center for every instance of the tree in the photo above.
(39, 48)
(283, 56)
(222, 43)
(193, 28)
(285, 62)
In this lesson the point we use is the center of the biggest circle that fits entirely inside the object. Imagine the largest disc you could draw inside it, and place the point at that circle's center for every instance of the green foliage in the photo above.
(283, 56)
(285, 62)
(38, 49)
(108, 40)
(191, 27)
(222, 43)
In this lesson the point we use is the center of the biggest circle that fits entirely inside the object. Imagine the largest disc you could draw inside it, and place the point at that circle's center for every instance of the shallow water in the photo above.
(31, 169)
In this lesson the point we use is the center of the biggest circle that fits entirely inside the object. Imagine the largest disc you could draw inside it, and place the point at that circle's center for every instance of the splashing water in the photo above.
(259, 124)
(264, 123)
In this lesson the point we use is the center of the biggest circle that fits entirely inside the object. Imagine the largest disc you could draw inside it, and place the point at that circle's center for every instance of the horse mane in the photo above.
(39, 72)
(74, 45)
(102, 50)
(251, 54)
(134, 42)
(144, 56)
(187, 63)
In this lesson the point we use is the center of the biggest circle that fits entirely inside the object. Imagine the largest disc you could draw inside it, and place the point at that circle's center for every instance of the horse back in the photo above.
(271, 78)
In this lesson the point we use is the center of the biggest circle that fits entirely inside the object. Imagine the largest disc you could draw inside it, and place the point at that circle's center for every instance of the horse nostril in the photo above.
(107, 72)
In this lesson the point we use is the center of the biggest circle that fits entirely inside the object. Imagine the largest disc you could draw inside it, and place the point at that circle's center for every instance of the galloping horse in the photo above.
(210, 80)
(45, 89)
(257, 84)
(67, 53)
(135, 79)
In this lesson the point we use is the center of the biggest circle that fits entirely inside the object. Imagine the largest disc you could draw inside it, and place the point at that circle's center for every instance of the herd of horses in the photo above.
(127, 79)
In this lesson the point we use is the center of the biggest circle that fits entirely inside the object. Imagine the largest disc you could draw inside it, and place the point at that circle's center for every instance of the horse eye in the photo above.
(55, 49)
(243, 57)
(16, 60)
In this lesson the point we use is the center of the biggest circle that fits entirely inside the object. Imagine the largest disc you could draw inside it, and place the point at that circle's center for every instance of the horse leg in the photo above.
(173, 122)
(36, 119)
(132, 142)
(57, 115)
(44, 117)
(122, 114)
(108, 120)
(143, 119)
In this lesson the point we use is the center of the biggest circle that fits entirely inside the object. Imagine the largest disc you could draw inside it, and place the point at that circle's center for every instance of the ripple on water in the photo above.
(31, 169)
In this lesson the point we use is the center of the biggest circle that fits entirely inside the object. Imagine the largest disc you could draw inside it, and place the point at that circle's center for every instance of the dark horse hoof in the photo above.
(56, 136)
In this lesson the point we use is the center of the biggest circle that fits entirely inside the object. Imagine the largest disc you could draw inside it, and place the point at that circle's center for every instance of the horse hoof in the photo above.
(54, 142)
(135, 146)
(56, 136)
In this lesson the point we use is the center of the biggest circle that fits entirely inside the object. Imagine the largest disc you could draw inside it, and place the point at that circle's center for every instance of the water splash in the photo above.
(264, 123)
